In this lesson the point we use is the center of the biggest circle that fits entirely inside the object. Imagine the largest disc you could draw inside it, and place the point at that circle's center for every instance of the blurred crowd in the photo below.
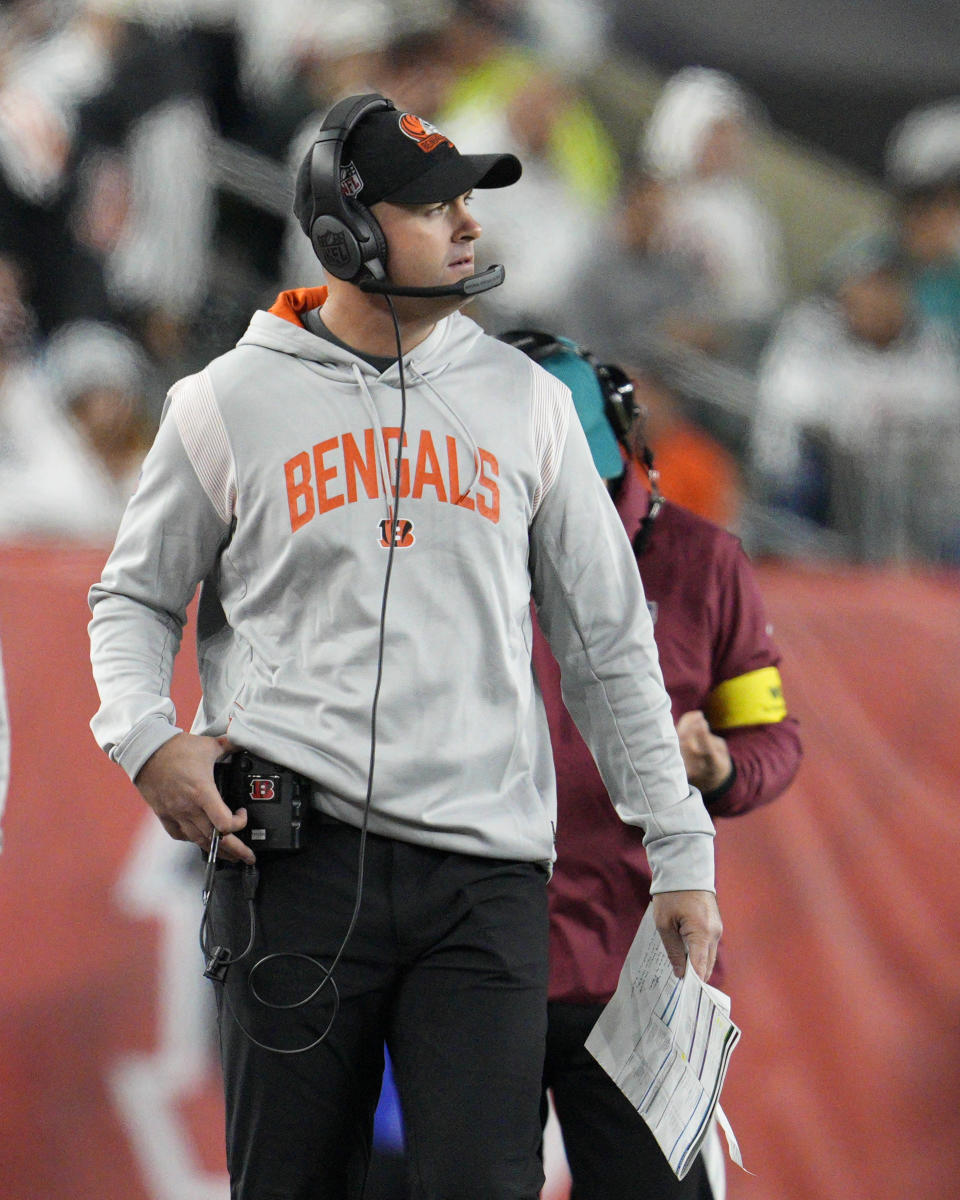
(147, 152)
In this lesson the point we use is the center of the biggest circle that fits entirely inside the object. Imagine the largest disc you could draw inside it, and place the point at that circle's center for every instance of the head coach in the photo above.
(368, 490)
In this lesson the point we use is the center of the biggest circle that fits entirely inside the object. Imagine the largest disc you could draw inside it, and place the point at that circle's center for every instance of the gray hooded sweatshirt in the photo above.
(271, 484)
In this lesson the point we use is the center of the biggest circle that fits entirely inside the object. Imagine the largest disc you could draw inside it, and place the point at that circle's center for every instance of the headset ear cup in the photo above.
(350, 252)
(336, 247)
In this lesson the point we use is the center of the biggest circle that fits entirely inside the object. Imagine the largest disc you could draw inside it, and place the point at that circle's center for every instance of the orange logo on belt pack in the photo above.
(427, 136)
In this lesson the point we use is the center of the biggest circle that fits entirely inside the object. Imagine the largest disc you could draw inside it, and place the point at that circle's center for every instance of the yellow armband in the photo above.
(752, 699)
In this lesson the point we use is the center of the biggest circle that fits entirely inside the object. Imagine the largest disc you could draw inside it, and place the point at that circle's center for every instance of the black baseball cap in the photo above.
(399, 157)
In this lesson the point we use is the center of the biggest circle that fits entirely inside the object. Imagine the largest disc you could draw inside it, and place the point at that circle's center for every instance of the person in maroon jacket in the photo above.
(741, 749)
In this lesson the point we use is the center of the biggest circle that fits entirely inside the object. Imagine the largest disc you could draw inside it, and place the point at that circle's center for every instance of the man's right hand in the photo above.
(177, 782)
(706, 757)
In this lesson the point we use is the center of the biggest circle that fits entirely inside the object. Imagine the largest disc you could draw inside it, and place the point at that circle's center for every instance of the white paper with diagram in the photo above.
(666, 1043)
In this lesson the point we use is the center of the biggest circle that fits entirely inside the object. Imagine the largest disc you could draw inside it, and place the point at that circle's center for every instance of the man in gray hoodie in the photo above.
(370, 490)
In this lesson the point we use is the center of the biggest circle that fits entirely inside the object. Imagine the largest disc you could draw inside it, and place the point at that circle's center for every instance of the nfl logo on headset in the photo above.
(333, 244)
(350, 182)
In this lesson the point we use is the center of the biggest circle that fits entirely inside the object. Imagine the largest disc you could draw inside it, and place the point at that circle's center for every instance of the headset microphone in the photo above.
(483, 281)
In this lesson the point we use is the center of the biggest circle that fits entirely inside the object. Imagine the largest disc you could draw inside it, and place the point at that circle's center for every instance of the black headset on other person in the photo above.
(619, 404)
(346, 237)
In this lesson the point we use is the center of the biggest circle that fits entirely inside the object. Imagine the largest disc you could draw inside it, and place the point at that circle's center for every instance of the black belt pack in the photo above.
(277, 800)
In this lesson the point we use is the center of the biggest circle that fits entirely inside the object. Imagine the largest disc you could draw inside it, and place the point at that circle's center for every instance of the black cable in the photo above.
(220, 958)
(395, 510)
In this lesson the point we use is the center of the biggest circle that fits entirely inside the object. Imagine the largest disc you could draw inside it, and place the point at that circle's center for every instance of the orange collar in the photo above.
(289, 305)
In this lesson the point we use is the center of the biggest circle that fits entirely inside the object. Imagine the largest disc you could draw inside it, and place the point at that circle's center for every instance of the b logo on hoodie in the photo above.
(403, 537)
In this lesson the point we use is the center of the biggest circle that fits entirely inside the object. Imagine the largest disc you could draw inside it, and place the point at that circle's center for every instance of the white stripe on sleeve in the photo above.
(551, 407)
(204, 436)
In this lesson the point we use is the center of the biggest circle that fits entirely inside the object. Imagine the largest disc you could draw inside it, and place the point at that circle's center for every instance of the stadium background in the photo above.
(840, 901)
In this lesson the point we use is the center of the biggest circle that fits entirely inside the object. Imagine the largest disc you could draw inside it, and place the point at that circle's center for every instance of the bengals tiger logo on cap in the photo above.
(427, 136)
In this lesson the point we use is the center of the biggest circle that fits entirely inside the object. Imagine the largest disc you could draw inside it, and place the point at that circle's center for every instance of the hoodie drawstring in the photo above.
(439, 402)
(455, 419)
(383, 465)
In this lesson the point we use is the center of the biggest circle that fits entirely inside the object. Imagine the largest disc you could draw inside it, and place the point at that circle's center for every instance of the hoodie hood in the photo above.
(281, 328)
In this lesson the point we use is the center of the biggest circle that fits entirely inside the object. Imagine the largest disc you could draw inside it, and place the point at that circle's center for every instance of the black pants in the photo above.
(447, 964)
(611, 1152)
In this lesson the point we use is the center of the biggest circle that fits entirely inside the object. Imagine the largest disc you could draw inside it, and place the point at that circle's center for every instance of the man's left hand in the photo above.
(688, 923)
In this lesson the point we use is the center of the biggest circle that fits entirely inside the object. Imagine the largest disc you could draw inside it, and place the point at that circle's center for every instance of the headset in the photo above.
(619, 406)
(345, 235)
